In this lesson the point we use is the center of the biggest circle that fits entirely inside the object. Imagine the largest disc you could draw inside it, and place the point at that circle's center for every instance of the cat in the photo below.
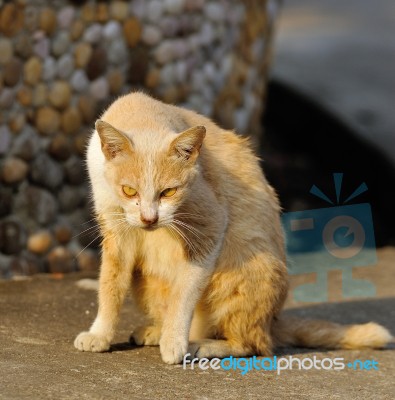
(192, 227)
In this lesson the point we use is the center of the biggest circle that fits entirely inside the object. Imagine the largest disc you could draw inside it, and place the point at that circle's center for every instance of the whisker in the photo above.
(96, 227)
(192, 229)
(186, 239)
(97, 237)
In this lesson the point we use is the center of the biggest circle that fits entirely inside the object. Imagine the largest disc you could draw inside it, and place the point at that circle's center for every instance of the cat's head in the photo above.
(150, 175)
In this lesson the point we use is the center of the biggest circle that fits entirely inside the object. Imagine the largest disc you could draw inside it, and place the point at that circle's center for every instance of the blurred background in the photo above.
(329, 103)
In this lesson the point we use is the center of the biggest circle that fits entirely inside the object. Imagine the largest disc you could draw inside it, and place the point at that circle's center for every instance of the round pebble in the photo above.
(41, 47)
(82, 54)
(47, 20)
(61, 260)
(87, 107)
(132, 31)
(65, 66)
(11, 19)
(61, 43)
(89, 12)
(16, 121)
(164, 52)
(40, 95)
(99, 89)
(118, 52)
(71, 121)
(138, 8)
(79, 81)
(60, 94)
(14, 170)
(39, 242)
(214, 11)
(93, 33)
(13, 237)
(40, 205)
(22, 45)
(7, 97)
(112, 30)
(66, 16)
(63, 233)
(154, 10)
(25, 96)
(119, 10)
(12, 72)
(60, 148)
(47, 120)
(116, 81)
(26, 263)
(88, 260)
(27, 144)
(46, 172)
(151, 35)
(49, 69)
(102, 13)
(32, 71)
(77, 29)
(31, 18)
(174, 6)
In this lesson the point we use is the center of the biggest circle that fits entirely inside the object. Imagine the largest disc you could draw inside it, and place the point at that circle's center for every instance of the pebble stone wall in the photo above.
(62, 62)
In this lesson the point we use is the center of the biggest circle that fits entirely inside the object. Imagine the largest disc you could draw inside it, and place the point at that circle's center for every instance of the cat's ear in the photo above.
(113, 142)
(187, 144)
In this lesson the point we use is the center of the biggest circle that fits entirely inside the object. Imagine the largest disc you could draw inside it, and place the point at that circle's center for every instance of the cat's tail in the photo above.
(291, 331)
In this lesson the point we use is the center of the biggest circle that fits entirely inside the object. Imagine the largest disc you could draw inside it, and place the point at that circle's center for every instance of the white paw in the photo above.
(146, 335)
(87, 341)
(173, 349)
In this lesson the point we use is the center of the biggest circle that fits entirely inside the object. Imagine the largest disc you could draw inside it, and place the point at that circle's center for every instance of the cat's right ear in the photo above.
(186, 145)
(113, 142)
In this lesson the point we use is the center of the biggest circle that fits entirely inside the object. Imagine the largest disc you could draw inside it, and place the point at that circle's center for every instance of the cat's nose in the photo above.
(149, 220)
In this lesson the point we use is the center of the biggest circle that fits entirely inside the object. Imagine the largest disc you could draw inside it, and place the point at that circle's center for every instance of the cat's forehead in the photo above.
(151, 142)
(150, 161)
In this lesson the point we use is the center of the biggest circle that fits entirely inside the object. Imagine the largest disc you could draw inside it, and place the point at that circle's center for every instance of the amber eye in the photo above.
(129, 191)
(169, 192)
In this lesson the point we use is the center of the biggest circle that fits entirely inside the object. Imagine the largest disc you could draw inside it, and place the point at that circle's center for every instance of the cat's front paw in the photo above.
(146, 335)
(87, 341)
(173, 349)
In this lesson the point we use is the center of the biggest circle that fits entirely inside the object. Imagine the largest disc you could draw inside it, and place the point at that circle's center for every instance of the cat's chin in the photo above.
(150, 228)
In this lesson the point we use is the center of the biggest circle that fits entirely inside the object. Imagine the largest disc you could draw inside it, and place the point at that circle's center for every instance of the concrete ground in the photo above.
(342, 54)
(40, 317)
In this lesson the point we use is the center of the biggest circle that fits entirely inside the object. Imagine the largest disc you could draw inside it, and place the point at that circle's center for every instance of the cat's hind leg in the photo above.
(243, 301)
(210, 348)
(147, 335)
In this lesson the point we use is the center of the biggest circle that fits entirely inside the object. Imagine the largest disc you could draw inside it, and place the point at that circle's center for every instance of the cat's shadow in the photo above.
(124, 346)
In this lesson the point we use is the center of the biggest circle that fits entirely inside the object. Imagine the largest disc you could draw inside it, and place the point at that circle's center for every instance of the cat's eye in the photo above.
(169, 192)
(129, 191)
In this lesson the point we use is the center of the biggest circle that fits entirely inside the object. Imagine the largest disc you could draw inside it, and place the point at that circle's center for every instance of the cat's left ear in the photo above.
(187, 145)
(113, 142)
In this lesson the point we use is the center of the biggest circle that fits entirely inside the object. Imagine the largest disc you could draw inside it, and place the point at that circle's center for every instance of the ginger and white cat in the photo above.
(191, 226)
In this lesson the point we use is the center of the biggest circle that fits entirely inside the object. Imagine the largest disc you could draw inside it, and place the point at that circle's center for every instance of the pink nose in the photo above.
(149, 221)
